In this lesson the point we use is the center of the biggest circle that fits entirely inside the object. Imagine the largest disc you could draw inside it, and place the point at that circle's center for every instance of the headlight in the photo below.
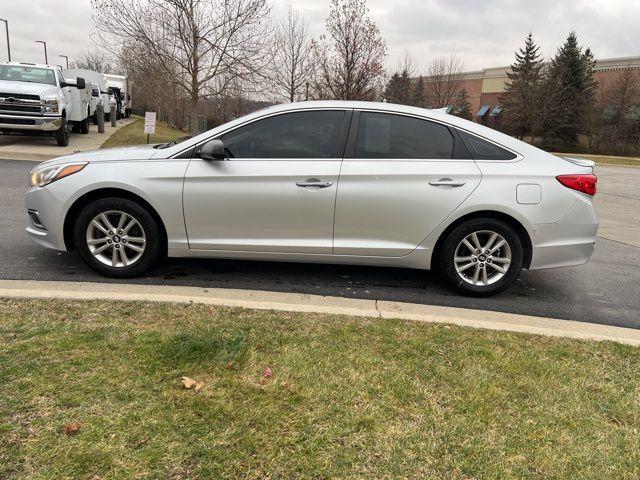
(51, 106)
(44, 176)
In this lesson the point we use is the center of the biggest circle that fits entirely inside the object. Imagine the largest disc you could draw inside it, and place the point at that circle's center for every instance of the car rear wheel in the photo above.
(481, 257)
(117, 237)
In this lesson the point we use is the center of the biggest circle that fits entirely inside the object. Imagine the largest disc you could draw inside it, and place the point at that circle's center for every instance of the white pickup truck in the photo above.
(37, 99)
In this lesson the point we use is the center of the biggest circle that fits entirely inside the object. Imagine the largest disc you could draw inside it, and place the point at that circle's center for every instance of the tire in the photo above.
(62, 134)
(501, 266)
(126, 261)
(83, 125)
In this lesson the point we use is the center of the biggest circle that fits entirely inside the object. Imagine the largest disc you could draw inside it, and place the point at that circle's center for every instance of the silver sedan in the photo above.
(331, 182)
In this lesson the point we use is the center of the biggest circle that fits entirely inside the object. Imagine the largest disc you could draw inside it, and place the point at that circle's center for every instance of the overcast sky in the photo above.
(483, 32)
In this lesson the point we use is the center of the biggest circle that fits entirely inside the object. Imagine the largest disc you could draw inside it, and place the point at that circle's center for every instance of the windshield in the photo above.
(20, 73)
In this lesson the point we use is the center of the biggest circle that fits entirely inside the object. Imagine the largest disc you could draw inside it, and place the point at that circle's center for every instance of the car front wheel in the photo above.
(481, 257)
(117, 237)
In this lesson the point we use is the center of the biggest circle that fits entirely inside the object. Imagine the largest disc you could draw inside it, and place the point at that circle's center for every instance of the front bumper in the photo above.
(45, 218)
(568, 242)
(25, 123)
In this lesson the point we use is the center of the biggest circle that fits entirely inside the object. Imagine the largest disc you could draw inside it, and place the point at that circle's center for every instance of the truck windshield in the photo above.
(19, 73)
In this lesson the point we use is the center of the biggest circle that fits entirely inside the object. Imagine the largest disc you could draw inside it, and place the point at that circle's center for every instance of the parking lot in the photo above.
(43, 147)
(602, 291)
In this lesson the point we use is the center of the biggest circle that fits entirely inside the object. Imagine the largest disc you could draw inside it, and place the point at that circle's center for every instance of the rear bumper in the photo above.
(26, 123)
(570, 241)
(45, 218)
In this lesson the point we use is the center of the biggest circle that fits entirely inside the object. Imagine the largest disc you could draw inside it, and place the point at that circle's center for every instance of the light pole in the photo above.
(46, 60)
(66, 58)
(6, 27)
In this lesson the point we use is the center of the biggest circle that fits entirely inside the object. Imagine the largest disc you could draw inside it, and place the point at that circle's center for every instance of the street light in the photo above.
(46, 60)
(67, 58)
(6, 27)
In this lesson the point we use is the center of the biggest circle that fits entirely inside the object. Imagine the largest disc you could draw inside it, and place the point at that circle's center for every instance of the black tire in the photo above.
(153, 248)
(447, 267)
(83, 125)
(62, 134)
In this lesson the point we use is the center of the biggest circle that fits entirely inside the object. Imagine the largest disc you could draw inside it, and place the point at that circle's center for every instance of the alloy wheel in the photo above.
(116, 238)
(482, 258)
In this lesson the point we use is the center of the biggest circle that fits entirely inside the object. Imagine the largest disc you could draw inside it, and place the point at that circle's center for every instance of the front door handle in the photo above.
(314, 182)
(446, 182)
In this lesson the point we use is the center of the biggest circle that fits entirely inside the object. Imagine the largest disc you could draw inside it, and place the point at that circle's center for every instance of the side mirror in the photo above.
(212, 150)
(80, 83)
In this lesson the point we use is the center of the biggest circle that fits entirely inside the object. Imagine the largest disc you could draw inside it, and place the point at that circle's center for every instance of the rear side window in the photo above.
(383, 135)
(482, 150)
(291, 135)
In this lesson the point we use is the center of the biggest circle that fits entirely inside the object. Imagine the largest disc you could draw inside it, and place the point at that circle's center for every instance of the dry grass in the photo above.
(133, 134)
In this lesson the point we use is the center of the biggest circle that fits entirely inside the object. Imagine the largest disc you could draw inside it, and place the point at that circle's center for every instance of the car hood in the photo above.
(139, 152)
(42, 89)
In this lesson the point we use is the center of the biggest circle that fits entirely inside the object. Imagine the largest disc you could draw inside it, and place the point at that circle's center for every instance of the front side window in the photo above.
(20, 73)
(482, 150)
(383, 135)
(289, 135)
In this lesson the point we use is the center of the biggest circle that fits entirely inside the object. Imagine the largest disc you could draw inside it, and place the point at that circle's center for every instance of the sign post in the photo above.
(149, 123)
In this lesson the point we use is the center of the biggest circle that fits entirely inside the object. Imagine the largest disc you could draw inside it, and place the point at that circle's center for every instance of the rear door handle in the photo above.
(314, 183)
(446, 182)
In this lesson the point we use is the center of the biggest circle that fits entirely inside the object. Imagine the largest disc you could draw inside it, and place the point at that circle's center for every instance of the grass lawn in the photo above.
(606, 159)
(133, 134)
(92, 390)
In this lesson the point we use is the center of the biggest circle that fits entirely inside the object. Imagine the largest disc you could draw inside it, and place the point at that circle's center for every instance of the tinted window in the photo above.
(290, 135)
(381, 135)
(482, 150)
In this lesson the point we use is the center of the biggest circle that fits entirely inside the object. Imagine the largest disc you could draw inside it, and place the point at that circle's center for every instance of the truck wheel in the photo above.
(62, 134)
(83, 126)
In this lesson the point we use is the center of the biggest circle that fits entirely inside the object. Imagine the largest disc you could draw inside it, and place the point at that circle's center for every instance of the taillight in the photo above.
(582, 183)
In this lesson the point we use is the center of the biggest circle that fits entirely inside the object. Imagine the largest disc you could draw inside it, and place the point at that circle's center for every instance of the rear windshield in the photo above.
(20, 73)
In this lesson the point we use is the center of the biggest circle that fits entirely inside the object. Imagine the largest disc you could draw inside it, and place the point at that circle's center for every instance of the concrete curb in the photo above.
(295, 302)
(26, 157)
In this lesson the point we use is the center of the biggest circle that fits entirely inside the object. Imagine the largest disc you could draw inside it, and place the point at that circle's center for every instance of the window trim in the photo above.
(349, 153)
(343, 135)
(517, 158)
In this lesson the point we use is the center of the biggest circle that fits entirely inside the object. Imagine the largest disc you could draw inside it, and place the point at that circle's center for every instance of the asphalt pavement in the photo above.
(606, 290)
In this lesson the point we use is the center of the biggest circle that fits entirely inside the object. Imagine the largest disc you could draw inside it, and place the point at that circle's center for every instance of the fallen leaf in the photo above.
(71, 428)
(268, 373)
(190, 383)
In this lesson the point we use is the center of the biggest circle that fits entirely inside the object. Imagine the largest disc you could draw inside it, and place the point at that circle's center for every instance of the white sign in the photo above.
(149, 122)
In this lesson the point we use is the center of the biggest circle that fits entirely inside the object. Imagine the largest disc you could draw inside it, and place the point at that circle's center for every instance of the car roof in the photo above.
(433, 114)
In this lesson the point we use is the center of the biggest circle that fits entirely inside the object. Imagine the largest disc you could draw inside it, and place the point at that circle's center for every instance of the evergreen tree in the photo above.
(417, 93)
(392, 90)
(405, 87)
(524, 81)
(573, 71)
(398, 89)
(462, 107)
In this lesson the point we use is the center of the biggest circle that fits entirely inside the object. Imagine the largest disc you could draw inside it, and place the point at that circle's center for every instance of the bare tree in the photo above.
(292, 66)
(444, 80)
(350, 56)
(202, 45)
(95, 60)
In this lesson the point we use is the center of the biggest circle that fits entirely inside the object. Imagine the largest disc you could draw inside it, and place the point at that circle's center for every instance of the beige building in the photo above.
(485, 86)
